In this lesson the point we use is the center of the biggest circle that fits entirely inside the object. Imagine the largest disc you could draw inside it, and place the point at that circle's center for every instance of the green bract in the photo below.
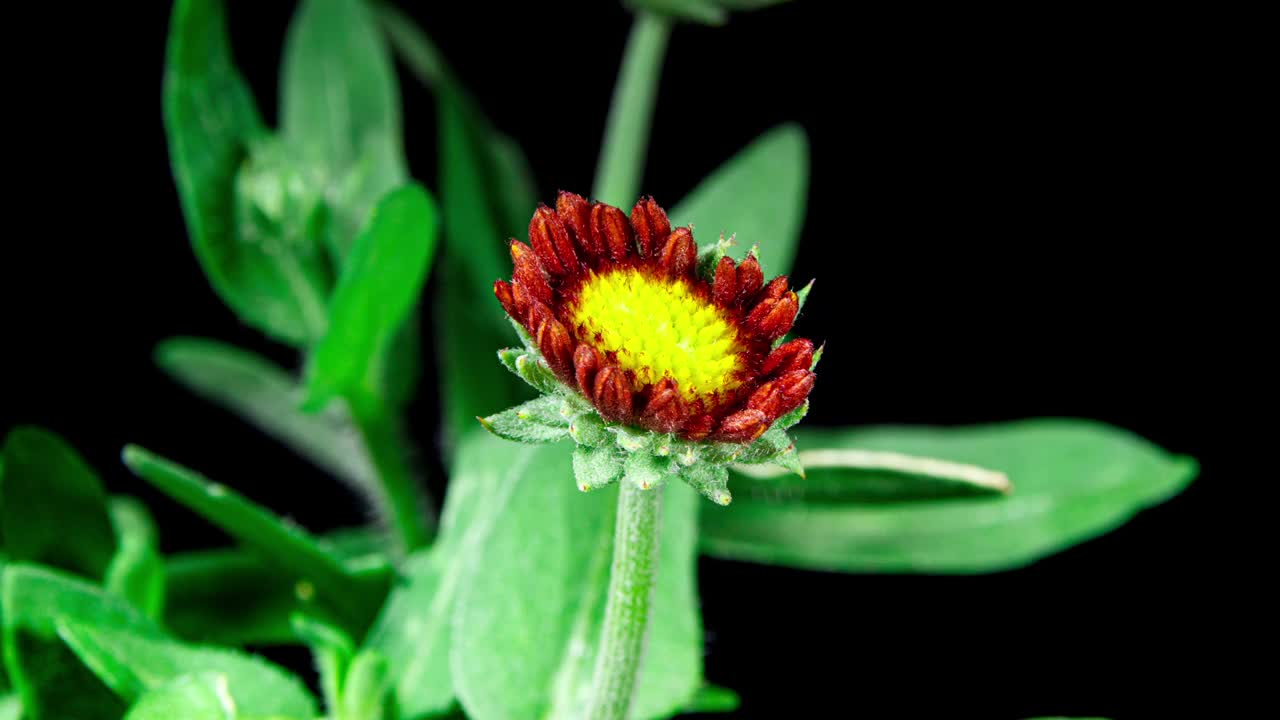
(607, 452)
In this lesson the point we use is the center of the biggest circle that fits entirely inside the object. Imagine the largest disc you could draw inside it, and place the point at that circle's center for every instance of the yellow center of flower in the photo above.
(658, 327)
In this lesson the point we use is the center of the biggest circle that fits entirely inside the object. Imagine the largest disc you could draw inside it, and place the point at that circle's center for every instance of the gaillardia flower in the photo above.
(650, 349)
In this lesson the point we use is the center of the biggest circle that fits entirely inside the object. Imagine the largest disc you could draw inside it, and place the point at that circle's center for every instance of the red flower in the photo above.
(621, 314)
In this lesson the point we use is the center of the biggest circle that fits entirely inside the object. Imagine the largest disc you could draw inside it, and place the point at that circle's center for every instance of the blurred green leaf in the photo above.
(231, 597)
(136, 572)
(709, 12)
(486, 196)
(1072, 479)
(355, 596)
(340, 106)
(366, 689)
(412, 632)
(132, 664)
(524, 642)
(736, 199)
(713, 699)
(838, 474)
(198, 696)
(267, 397)
(236, 597)
(378, 288)
(212, 126)
(10, 707)
(471, 324)
(46, 489)
(331, 651)
(623, 150)
(53, 684)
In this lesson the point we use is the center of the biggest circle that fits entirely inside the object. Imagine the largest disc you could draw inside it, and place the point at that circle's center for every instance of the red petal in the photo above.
(750, 278)
(652, 226)
(575, 212)
(665, 410)
(680, 253)
(743, 427)
(613, 394)
(586, 361)
(794, 355)
(611, 224)
(724, 290)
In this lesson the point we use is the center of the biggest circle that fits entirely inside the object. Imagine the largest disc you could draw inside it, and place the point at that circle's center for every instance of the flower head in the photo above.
(654, 337)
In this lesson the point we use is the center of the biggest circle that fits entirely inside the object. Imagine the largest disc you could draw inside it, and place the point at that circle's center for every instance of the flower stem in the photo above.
(626, 617)
(400, 498)
(626, 135)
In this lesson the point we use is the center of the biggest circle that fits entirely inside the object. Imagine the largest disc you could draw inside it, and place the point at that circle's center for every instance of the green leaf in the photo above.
(708, 12)
(50, 680)
(10, 707)
(1073, 480)
(199, 696)
(366, 688)
(379, 286)
(840, 474)
(267, 397)
(46, 489)
(470, 322)
(235, 597)
(136, 572)
(487, 195)
(231, 597)
(524, 642)
(331, 650)
(412, 632)
(211, 124)
(340, 105)
(713, 699)
(131, 664)
(292, 549)
(735, 200)
(537, 421)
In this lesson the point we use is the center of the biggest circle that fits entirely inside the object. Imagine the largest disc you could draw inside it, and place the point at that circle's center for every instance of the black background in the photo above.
(997, 222)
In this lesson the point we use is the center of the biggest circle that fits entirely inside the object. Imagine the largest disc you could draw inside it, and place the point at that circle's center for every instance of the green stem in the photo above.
(400, 499)
(626, 135)
(636, 540)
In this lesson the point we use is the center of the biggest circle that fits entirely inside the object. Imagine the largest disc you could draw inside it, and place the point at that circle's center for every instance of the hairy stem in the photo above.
(400, 498)
(626, 617)
(626, 135)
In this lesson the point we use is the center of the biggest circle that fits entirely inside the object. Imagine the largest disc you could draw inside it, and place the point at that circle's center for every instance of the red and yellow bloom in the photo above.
(620, 313)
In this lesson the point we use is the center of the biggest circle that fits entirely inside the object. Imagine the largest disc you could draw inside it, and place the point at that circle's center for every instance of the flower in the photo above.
(620, 314)
(665, 345)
